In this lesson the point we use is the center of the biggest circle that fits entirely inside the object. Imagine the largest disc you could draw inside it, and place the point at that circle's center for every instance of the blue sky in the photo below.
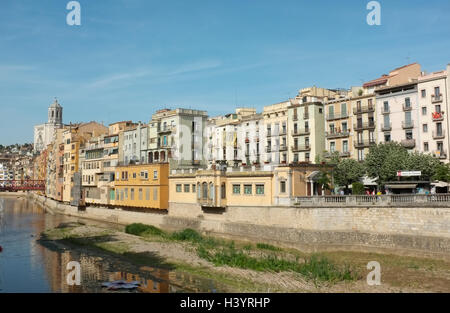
(131, 57)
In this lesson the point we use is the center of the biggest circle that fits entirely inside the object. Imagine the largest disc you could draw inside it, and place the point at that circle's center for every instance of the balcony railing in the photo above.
(408, 143)
(282, 132)
(407, 200)
(295, 118)
(363, 109)
(300, 132)
(385, 127)
(300, 148)
(364, 125)
(268, 149)
(283, 148)
(336, 134)
(305, 116)
(407, 124)
(336, 116)
(439, 134)
(440, 154)
(436, 98)
(407, 107)
(386, 110)
(364, 143)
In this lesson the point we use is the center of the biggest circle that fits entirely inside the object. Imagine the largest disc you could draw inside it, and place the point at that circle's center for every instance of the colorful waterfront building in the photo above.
(142, 186)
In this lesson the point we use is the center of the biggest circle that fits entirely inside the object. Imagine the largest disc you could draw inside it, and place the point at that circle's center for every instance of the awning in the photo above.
(440, 184)
(369, 181)
(401, 186)
(314, 176)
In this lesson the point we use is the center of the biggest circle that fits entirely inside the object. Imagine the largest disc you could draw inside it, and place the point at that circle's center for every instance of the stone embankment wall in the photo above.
(403, 230)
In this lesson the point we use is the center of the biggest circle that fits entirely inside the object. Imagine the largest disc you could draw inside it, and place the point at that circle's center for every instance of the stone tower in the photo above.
(55, 113)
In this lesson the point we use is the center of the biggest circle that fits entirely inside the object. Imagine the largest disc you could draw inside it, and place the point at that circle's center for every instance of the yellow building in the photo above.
(142, 186)
(238, 187)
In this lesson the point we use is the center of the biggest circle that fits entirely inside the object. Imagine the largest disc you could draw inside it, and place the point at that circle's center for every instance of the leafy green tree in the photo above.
(425, 163)
(324, 180)
(348, 171)
(442, 172)
(384, 160)
(357, 188)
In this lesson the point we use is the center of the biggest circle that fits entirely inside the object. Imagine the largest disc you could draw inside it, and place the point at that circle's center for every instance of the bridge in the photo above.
(22, 185)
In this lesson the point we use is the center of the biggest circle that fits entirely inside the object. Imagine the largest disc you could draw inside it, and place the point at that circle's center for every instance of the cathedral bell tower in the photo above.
(55, 113)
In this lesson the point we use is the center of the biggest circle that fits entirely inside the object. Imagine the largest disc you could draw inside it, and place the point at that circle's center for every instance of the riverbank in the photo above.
(421, 232)
(242, 267)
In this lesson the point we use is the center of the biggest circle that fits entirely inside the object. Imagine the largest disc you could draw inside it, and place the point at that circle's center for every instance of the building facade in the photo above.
(44, 133)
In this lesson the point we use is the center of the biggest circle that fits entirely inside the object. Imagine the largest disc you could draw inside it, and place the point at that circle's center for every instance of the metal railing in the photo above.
(410, 200)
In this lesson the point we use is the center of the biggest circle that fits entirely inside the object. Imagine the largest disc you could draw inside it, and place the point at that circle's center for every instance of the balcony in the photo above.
(438, 116)
(364, 109)
(386, 110)
(364, 125)
(408, 143)
(337, 116)
(301, 148)
(364, 143)
(167, 129)
(283, 148)
(439, 134)
(384, 127)
(344, 154)
(407, 124)
(282, 132)
(440, 154)
(306, 116)
(341, 134)
(301, 132)
(407, 107)
(436, 98)
(268, 149)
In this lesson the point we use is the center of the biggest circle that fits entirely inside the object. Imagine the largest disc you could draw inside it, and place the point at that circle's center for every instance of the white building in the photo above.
(44, 133)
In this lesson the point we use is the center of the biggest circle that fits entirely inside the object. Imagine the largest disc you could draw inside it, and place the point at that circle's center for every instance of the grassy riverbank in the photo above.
(256, 267)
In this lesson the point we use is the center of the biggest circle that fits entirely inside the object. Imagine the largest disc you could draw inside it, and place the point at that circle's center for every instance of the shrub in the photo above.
(139, 229)
(187, 235)
(266, 246)
(357, 188)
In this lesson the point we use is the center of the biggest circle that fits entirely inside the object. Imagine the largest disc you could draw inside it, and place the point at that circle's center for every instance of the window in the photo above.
(223, 191)
(155, 174)
(425, 128)
(259, 189)
(132, 193)
(178, 187)
(134, 175)
(387, 137)
(345, 146)
(147, 194)
(361, 155)
(186, 188)
(409, 134)
(407, 102)
(424, 110)
(344, 127)
(423, 93)
(247, 189)
(237, 189)
(332, 146)
(155, 194)
(193, 187)
(437, 92)
(425, 146)
(140, 193)
(386, 106)
(126, 193)
(282, 186)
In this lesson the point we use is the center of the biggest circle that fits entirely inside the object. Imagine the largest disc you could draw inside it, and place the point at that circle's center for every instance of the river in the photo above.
(31, 266)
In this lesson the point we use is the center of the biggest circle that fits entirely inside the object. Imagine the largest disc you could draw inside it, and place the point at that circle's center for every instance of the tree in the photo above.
(384, 160)
(425, 163)
(348, 171)
(324, 180)
(442, 172)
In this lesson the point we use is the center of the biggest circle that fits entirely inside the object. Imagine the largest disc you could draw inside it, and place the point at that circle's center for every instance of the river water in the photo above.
(29, 265)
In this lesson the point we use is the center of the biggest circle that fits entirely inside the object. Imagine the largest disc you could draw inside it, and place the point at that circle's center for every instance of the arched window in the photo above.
(211, 191)
(199, 191)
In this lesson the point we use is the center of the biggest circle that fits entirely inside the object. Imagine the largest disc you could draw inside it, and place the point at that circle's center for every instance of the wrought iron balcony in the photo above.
(407, 107)
(363, 109)
(336, 134)
(438, 116)
(439, 134)
(300, 132)
(364, 125)
(337, 116)
(300, 148)
(407, 124)
(436, 98)
(364, 143)
(440, 154)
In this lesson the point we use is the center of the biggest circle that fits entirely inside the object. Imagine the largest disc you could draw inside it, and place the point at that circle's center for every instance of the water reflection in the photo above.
(27, 265)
